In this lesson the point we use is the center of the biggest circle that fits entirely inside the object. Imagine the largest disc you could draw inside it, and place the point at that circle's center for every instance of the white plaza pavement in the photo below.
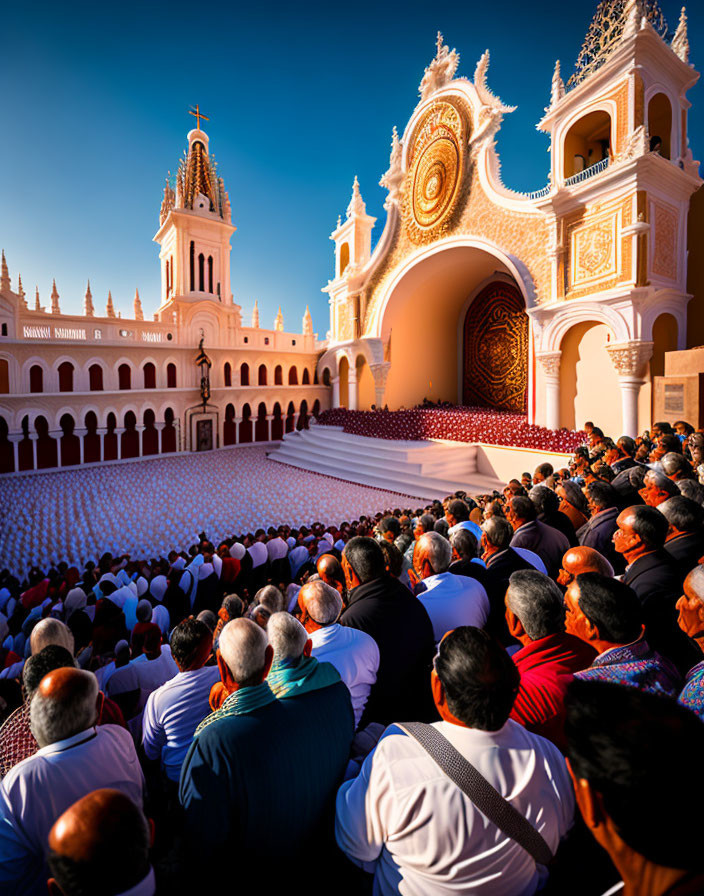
(148, 507)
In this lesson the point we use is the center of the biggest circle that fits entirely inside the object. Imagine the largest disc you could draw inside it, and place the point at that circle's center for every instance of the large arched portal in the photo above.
(455, 329)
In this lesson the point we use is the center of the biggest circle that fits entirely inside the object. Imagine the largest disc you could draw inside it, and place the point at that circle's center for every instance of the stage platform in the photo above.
(426, 469)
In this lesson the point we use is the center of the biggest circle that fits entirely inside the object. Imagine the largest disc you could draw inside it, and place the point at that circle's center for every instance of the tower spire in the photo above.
(138, 313)
(20, 290)
(37, 305)
(279, 322)
(4, 274)
(55, 309)
(558, 85)
(110, 308)
(88, 308)
(680, 42)
(255, 315)
(307, 323)
(356, 206)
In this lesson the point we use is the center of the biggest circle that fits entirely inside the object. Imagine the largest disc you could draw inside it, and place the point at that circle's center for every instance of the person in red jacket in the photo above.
(535, 613)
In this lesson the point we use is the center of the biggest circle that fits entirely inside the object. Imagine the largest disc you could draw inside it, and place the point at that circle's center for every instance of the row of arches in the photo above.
(247, 375)
(123, 378)
(39, 448)
(265, 426)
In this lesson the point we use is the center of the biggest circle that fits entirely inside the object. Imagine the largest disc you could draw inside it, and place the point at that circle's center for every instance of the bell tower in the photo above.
(195, 229)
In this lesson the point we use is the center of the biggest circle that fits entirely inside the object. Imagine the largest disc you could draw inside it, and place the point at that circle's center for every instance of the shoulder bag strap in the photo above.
(474, 785)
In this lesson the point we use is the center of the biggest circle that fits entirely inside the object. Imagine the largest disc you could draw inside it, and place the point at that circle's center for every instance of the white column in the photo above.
(33, 437)
(352, 390)
(81, 434)
(238, 420)
(630, 360)
(380, 372)
(269, 418)
(140, 435)
(118, 433)
(101, 433)
(16, 449)
(335, 391)
(550, 362)
(159, 428)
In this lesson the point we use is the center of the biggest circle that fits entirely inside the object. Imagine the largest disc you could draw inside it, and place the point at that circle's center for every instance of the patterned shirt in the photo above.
(16, 739)
(692, 695)
(637, 665)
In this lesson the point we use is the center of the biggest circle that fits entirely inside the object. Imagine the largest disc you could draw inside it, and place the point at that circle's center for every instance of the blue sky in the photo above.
(301, 98)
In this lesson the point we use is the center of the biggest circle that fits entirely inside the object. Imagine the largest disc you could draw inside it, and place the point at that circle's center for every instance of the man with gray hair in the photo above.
(690, 608)
(352, 652)
(450, 600)
(259, 765)
(549, 657)
(51, 631)
(75, 758)
(657, 488)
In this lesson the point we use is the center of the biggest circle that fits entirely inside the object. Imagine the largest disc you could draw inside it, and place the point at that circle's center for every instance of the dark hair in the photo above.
(524, 508)
(442, 527)
(390, 524)
(186, 638)
(649, 524)
(602, 494)
(365, 557)
(53, 656)
(627, 445)
(671, 442)
(393, 558)
(597, 432)
(459, 509)
(663, 426)
(630, 745)
(546, 470)
(544, 499)
(480, 679)
(611, 606)
(465, 543)
(682, 513)
(427, 522)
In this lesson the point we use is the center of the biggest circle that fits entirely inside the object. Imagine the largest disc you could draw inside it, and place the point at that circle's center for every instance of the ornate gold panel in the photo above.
(665, 241)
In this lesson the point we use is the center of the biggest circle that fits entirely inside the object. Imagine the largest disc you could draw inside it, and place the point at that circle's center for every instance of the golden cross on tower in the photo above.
(197, 114)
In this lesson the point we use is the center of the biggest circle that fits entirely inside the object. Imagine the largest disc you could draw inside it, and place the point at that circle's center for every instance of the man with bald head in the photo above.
(582, 559)
(330, 571)
(101, 845)
(351, 651)
(51, 631)
(259, 765)
(75, 757)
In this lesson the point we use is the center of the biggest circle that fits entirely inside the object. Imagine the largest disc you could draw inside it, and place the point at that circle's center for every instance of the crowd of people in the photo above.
(494, 694)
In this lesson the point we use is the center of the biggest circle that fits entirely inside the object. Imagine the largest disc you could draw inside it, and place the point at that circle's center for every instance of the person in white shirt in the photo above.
(352, 652)
(74, 759)
(101, 844)
(174, 710)
(449, 599)
(155, 665)
(404, 819)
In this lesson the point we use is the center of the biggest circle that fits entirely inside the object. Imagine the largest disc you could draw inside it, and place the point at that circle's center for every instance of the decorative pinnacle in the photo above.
(20, 288)
(138, 313)
(55, 309)
(680, 42)
(88, 308)
(255, 314)
(37, 306)
(558, 85)
(279, 322)
(4, 274)
(356, 206)
(307, 323)
(439, 40)
(110, 308)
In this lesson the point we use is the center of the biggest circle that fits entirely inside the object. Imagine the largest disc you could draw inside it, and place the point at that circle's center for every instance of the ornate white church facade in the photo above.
(100, 386)
(562, 302)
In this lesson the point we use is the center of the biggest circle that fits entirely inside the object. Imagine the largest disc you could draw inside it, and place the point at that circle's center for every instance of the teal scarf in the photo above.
(287, 680)
(241, 703)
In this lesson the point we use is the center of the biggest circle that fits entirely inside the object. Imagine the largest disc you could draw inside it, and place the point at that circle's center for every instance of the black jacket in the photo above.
(470, 570)
(560, 521)
(401, 627)
(686, 551)
(548, 543)
(598, 533)
(656, 579)
(499, 568)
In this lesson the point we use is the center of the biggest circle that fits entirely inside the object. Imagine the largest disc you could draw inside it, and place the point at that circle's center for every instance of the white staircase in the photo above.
(428, 470)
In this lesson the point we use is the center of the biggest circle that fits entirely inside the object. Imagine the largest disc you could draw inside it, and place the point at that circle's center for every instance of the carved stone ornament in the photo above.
(637, 144)
(393, 179)
(440, 71)
(550, 362)
(435, 172)
(630, 358)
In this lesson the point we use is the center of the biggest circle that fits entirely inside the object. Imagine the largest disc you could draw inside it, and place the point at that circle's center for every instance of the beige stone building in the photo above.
(562, 302)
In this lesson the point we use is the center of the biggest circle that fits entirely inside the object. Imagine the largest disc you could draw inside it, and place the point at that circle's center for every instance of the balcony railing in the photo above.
(538, 194)
(581, 176)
